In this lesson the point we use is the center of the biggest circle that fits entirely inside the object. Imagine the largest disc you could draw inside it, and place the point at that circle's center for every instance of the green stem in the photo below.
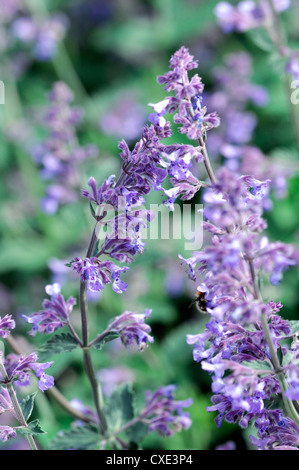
(87, 360)
(289, 406)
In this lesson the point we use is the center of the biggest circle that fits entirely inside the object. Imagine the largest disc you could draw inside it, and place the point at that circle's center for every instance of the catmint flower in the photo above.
(55, 313)
(18, 368)
(192, 116)
(160, 110)
(45, 381)
(277, 433)
(163, 413)
(7, 433)
(193, 120)
(6, 324)
(132, 329)
(97, 273)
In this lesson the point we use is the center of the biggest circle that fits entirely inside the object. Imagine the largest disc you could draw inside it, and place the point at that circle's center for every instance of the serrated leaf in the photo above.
(33, 428)
(58, 344)
(120, 408)
(137, 432)
(80, 438)
(109, 337)
(27, 405)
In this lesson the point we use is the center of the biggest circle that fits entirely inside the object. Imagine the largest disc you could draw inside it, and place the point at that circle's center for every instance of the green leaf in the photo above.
(27, 405)
(295, 326)
(58, 344)
(120, 408)
(260, 38)
(109, 337)
(33, 428)
(258, 365)
(137, 432)
(81, 438)
(69, 265)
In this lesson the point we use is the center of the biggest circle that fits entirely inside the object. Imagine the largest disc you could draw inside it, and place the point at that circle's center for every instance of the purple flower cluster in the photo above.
(191, 116)
(234, 348)
(247, 14)
(233, 215)
(18, 368)
(192, 119)
(55, 313)
(132, 329)
(7, 433)
(163, 413)
(142, 171)
(97, 274)
(60, 154)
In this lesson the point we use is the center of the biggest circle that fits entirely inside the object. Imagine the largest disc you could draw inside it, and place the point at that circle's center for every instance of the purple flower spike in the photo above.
(45, 381)
(7, 433)
(165, 415)
(18, 368)
(132, 329)
(55, 313)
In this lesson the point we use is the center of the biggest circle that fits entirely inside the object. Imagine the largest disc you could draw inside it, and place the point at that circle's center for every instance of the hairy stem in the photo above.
(87, 360)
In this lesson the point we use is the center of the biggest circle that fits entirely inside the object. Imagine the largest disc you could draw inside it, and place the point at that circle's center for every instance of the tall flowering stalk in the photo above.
(250, 351)
(244, 346)
(116, 204)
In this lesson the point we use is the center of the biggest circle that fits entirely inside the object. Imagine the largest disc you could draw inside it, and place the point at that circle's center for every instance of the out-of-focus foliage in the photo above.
(111, 55)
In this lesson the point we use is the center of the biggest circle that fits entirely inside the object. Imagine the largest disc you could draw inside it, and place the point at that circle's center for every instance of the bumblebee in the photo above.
(200, 302)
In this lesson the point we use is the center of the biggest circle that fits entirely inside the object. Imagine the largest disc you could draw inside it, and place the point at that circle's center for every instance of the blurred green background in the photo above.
(113, 51)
